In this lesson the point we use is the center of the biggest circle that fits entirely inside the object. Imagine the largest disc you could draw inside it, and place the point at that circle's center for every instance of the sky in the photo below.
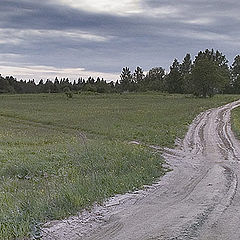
(82, 38)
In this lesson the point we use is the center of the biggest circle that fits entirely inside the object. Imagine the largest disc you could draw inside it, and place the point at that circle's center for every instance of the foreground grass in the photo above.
(58, 156)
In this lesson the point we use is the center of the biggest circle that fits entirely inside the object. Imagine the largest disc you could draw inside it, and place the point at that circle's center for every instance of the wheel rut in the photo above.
(199, 199)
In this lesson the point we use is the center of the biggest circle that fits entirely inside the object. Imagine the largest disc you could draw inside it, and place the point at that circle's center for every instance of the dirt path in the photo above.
(199, 199)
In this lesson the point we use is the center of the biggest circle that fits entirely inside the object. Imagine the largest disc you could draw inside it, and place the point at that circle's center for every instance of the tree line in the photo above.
(11, 85)
(206, 75)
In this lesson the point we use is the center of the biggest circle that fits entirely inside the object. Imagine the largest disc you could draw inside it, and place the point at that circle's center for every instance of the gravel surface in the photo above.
(199, 199)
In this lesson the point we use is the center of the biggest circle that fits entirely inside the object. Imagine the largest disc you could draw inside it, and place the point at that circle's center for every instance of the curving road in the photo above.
(199, 199)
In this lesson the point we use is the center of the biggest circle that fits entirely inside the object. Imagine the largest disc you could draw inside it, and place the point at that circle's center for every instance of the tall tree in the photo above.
(186, 65)
(138, 78)
(218, 58)
(80, 84)
(126, 80)
(174, 80)
(138, 75)
(235, 75)
(214, 71)
(5, 86)
(56, 86)
(154, 80)
(235, 68)
(185, 69)
(207, 78)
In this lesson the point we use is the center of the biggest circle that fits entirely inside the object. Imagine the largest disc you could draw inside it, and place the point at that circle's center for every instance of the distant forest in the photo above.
(207, 75)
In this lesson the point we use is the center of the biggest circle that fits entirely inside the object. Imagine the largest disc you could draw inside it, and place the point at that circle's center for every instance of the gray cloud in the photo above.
(48, 33)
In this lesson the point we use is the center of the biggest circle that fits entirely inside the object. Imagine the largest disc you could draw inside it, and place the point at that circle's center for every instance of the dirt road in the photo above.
(199, 199)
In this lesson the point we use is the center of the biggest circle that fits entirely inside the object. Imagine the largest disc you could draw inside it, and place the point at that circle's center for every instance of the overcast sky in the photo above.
(79, 38)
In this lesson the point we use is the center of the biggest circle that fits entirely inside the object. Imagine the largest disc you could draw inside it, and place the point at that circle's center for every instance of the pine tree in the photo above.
(174, 80)
(186, 65)
(138, 75)
(126, 80)
(185, 69)
(138, 78)
(235, 69)
(235, 75)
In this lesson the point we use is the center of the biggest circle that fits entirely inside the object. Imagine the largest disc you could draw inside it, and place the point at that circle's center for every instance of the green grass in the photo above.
(58, 156)
(235, 120)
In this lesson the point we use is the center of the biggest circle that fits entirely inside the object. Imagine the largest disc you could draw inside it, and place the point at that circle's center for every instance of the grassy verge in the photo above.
(58, 156)
(235, 120)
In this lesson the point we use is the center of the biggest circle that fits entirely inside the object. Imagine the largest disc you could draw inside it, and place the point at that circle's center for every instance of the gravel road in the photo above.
(199, 199)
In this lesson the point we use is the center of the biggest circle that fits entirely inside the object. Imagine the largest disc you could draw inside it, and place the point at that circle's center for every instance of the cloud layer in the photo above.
(101, 37)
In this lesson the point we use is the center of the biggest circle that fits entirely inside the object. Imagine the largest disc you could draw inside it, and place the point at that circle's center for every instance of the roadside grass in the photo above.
(58, 156)
(235, 121)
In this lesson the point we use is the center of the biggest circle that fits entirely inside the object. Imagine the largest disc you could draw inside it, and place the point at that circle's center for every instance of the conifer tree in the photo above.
(185, 69)
(126, 80)
(174, 80)
(235, 75)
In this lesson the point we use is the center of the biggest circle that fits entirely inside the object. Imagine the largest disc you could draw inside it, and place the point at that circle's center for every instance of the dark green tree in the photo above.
(174, 80)
(186, 65)
(90, 85)
(5, 86)
(80, 84)
(102, 86)
(185, 69)
(30, 87)
(207, 78)
(138, 76)
(235, 69)
(154, 80)
(235, 75)
(14, 85)
(56, 86)
(217, 79)
(40, 86)
(48, 87)
(126, 80)
(117, 87)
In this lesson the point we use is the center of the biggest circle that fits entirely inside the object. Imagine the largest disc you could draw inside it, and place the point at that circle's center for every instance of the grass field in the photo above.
(58, 156)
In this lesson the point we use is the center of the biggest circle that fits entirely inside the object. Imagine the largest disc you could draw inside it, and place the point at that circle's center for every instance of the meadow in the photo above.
(59, 155)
